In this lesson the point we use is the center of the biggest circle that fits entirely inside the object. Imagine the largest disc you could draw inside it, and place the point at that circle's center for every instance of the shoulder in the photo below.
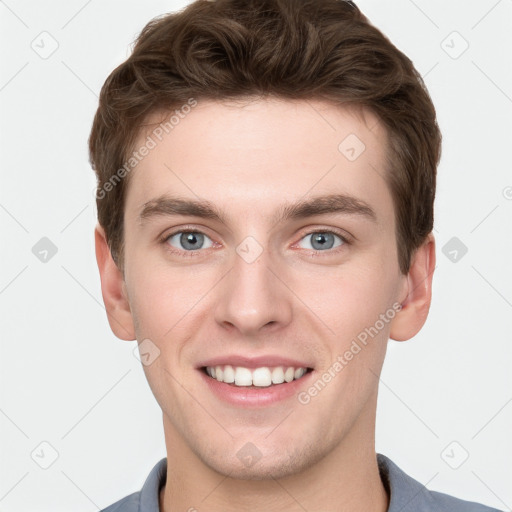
(145, 500)
(408, 495)
(128, 504)
(445, 502)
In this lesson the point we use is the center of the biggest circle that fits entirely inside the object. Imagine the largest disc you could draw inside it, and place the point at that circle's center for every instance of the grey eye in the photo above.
(189, 240)
(321, 240)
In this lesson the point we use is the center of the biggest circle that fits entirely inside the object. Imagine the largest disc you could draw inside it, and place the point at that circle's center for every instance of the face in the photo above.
(290, 261)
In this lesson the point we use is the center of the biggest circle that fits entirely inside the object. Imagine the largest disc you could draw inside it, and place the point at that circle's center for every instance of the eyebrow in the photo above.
(320, 205)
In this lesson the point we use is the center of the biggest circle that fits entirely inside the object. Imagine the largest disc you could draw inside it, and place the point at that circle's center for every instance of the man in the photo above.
(266, 177)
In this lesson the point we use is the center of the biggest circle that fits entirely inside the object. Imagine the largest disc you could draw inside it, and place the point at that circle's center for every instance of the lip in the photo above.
(254, 397)
(254, 362)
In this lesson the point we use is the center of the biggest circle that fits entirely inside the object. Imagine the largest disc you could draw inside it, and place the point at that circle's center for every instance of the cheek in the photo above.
(356, 304)
(164, 300)
(164, 306)
(349, 298)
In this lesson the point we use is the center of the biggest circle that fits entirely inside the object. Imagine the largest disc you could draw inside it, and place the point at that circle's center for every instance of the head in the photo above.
(277, 119)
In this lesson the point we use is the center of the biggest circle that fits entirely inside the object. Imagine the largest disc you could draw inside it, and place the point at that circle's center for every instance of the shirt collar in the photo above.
(150, 493)
(405, 493)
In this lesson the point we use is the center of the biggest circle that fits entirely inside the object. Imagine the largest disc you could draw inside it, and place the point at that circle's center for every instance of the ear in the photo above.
(113, 289)
(416, 293)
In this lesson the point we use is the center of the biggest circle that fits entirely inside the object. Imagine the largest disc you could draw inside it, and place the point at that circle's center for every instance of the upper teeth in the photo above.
(264, 376)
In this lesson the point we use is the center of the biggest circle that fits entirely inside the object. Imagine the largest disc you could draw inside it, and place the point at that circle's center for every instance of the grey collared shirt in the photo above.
(406, 494)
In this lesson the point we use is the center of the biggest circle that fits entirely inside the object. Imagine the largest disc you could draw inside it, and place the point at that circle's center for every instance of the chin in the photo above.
(249, 464)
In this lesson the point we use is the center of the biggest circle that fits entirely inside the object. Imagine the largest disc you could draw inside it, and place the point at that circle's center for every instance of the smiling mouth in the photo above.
(262, 377)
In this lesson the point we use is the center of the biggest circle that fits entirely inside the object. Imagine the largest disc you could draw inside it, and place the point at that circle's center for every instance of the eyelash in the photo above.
(164, 240)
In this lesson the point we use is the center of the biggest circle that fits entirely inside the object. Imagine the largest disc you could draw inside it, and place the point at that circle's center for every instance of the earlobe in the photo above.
(418, 293)
(113, 289)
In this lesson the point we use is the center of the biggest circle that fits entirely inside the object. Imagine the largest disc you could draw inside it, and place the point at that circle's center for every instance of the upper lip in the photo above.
(254, 362)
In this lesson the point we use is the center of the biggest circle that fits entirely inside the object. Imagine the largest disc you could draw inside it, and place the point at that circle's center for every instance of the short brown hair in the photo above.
(290, 49)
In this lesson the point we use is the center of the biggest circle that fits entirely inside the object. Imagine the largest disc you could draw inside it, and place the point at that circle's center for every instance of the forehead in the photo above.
(251, 155)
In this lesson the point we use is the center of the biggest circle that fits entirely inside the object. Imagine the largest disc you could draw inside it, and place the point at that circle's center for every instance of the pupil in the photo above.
(191, 240)
(325, 240)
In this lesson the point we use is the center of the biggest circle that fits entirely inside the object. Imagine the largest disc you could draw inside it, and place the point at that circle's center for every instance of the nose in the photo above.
(252, 299)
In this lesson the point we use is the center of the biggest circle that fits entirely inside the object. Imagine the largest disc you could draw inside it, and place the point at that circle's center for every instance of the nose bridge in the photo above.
(251, 297)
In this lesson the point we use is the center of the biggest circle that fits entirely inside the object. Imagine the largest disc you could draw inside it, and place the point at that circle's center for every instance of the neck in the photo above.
(347, 479)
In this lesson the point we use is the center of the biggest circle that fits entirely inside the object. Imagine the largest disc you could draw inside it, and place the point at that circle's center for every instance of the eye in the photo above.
(189, 240)
(322, 240)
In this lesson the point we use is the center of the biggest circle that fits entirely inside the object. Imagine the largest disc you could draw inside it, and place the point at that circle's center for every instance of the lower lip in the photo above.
(242, 396)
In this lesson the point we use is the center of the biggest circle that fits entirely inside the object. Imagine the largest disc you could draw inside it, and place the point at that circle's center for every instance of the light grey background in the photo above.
(67, 381)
